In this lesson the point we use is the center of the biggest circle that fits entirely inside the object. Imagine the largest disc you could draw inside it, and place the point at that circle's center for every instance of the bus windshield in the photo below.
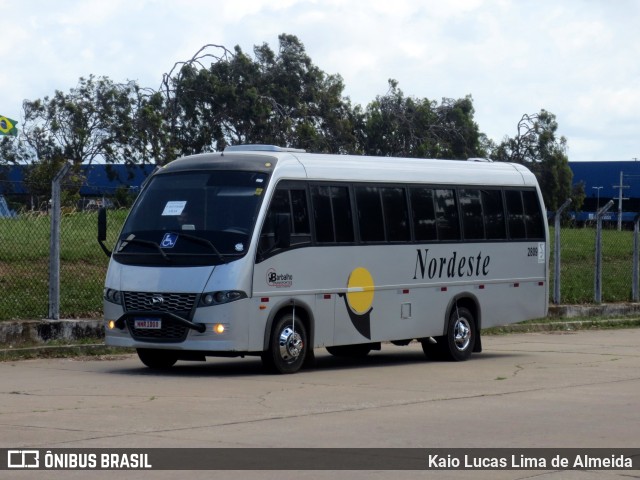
(192, 218)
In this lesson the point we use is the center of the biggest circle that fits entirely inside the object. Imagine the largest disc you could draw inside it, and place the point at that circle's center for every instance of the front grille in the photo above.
(170, 332)
(179, 303)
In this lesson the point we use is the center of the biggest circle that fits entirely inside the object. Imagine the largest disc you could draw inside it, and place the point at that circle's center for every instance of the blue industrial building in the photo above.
(601, 182)
(100, 179)
(101, 182)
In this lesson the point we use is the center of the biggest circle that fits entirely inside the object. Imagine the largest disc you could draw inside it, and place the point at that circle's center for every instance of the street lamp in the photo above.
(598, 199)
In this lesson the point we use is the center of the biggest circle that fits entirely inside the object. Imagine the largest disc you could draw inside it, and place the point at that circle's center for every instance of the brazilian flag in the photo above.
(8, 126)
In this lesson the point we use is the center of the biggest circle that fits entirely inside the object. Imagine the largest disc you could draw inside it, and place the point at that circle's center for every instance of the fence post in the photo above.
(556, 258)
(54, 245)
(635, 294)
(597, 282)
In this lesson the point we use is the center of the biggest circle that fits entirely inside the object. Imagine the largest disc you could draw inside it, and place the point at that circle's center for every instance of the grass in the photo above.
(578, 265)
(24, 265)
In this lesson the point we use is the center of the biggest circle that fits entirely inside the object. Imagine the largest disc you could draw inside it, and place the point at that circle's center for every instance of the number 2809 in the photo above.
(532, 251)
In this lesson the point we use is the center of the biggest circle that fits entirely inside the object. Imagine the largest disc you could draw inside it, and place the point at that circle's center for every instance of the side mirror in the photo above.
(283, 230)
(102, 230)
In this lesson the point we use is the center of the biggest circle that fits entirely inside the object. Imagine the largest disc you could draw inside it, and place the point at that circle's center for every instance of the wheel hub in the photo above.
(462, 334)
(291, 344)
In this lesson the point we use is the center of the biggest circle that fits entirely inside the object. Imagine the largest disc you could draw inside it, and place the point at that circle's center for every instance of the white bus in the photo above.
(262, 250)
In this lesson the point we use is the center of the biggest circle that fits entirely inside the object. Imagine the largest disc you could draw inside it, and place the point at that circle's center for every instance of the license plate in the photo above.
(147, 324)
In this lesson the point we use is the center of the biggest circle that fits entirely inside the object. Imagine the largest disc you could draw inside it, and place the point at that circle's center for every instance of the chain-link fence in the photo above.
(25, 259)
(578, 264)
(597, 260)
(25, 245)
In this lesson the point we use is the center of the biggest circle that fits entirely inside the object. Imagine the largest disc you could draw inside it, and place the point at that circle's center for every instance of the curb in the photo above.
(566, 326)
(28, 332)
(603, 310)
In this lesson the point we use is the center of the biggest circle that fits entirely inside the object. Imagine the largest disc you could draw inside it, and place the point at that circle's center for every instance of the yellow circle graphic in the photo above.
(360, 290)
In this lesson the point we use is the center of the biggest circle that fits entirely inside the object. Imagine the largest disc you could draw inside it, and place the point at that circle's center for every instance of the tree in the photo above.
(406, 126)
(280, 98)
(537, 146)
(92, 121)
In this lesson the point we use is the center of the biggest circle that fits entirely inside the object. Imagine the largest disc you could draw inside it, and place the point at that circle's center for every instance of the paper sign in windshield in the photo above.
(174, 208)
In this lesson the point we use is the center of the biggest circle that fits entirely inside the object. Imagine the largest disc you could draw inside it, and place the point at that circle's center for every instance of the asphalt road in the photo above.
(571, 390)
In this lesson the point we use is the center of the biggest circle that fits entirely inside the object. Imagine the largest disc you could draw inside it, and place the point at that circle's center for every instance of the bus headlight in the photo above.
(216, 298)
(113, 296)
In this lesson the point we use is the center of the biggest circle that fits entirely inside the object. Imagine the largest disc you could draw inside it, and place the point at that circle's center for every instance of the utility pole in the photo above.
(620, 198)
(598, 201)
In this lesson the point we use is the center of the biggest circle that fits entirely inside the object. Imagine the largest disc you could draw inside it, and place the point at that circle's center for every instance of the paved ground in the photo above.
(576, 390)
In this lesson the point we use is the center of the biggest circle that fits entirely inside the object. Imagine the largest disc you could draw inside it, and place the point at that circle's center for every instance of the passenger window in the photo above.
(471, 208)
(447, 221)
(533, 215)
(396, 215)
(333, 217)
(291, 202)
(370, 217)
(321, 198)
(299, 212)
(342, 218)
(515, 214)
(493, 209)
(424, 215)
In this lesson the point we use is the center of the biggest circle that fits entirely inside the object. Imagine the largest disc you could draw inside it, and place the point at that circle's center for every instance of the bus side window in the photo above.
(515, 213)
(396, 214)
(472, 218)
(280, 204)
(447, 214)
(424, 214)
(370, 217)
(532, 215)
(301, 229)
(323, 218)
(494, 219)
(342, 217)
(332, 214)
(293, 204)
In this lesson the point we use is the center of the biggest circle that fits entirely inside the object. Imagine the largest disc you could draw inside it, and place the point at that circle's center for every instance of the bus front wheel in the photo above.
(287, 346)
(157, 359)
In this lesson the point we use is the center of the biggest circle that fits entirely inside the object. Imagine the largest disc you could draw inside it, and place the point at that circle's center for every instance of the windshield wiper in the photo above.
(202, 241)
(132, 239)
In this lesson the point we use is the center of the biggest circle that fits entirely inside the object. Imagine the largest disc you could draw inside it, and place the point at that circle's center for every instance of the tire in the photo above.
(458, 344)
(461, 335)
(350, 351)
(287, 346)
(157, 359)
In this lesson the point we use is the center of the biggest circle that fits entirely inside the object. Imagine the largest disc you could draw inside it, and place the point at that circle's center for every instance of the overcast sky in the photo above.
(577, 59)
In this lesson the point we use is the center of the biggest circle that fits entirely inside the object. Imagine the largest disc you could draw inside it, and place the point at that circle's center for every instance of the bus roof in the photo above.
(292, 164)
(412, 170)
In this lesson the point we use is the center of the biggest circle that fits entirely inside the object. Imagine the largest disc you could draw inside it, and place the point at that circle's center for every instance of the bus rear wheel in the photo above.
(287, 346)
(157, 359)
(457, 345)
